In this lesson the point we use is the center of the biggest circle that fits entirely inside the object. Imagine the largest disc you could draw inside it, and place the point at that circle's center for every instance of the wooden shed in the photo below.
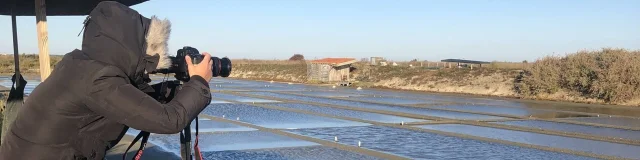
(330, 69)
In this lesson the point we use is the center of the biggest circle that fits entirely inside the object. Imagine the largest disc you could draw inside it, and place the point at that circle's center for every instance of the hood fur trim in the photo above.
(158, 41)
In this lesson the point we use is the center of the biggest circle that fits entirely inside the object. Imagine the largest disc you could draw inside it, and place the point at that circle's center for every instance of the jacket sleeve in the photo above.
(114, 98)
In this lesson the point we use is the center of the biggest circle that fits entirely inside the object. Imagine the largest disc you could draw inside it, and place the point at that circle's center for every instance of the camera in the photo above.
(220, 66)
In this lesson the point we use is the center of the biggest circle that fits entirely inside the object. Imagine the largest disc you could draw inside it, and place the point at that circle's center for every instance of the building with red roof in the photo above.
(330, 69)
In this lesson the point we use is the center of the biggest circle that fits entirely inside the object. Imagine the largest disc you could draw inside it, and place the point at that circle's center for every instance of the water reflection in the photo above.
(422, 145)
(272, 118)
(584, 129)
(584, 145)
(349, 113)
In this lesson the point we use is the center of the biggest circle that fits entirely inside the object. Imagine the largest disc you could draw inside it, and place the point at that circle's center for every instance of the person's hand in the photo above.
(202, 69)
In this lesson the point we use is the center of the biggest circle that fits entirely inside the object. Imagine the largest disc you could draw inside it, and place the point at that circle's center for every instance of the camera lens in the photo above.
(215, 68)
(225, 65)
(221, 67)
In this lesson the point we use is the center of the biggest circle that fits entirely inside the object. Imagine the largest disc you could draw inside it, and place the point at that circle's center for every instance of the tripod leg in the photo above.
(185, 143)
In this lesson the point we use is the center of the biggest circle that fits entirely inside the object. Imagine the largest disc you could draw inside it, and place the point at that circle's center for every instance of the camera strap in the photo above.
(145, 137)
(195, 145)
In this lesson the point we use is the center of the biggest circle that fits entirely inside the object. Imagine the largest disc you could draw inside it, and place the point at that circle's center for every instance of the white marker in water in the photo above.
(335, 138)
(237, 119)
(223, 116)
(402, 123)
(359, 143)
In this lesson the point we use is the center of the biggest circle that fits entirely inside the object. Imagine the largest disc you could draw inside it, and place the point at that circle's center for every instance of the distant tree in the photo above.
(297, 57)
(525, 61)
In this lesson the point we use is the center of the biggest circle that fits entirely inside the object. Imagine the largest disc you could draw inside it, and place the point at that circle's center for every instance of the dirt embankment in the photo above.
(607, 76)
(483, 81)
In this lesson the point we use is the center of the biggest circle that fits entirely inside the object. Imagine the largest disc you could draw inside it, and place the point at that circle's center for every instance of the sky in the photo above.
(488, 30)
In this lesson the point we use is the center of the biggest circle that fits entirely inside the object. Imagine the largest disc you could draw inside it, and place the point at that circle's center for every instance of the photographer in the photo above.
(95, 94)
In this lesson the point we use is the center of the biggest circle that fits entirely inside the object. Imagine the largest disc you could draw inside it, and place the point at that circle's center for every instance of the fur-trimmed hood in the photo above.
(118, 35)
(157, 41)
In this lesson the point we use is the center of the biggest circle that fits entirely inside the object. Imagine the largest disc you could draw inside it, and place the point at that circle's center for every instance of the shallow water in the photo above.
(31, 84)
(207, 125)
(326, 93)
(616, 121)
(523, 112)
(349, 113)
(240, 98)
(576, 144)
(211, 142)
(214, 101)
(304, 153)
(411, 110)
(434, 97)
(393, 100)
(272, 118)
(586, 108)
(423, 145)
(584, 129)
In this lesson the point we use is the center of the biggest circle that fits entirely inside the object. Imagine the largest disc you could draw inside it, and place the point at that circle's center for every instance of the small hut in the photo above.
(330, 69)
(376, 60)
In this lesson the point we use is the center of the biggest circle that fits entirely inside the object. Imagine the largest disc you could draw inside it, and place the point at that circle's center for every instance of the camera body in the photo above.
(220, 66)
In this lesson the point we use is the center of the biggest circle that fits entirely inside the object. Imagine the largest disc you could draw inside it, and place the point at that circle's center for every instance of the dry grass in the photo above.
(493, 65)
(258, 61)
(29, 63)
(277, 70)
(482, 81)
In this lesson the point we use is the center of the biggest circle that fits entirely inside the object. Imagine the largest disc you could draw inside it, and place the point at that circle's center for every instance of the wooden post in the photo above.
(16, 54)
(43, 38)
(8, 112)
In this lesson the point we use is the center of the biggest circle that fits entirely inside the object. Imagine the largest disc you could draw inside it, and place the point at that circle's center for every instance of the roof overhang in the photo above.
(464, 61)
(56, 7)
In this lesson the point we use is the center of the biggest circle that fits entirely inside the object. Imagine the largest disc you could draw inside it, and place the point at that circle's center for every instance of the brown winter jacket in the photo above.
(94, 95)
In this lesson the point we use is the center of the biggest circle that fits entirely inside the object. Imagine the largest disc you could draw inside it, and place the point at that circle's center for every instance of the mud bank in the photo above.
(489, 82)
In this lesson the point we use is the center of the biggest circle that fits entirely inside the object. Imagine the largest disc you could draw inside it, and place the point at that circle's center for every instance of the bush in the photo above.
(609, 74)
(541, 77)
(297, 57)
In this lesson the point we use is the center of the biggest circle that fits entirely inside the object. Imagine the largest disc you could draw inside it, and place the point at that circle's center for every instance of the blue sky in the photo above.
(501, 30)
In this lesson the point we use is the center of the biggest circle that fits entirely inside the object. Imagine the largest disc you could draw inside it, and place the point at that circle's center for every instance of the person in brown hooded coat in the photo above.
(94, 95)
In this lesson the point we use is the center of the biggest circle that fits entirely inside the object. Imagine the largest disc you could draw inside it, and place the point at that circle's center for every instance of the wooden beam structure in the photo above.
(16, 54)
(43, 39)
(10, 109)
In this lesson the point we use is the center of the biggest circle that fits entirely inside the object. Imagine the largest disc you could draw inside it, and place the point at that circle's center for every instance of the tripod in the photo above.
(185, 135)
